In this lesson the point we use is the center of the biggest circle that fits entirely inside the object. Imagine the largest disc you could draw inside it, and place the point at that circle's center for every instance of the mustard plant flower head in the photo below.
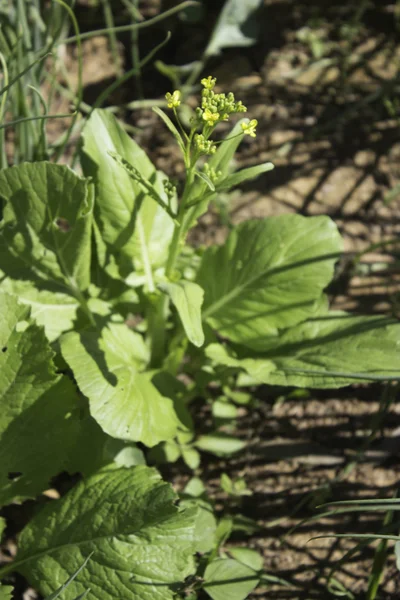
(250, 128)
(215, 108)
(173, 99)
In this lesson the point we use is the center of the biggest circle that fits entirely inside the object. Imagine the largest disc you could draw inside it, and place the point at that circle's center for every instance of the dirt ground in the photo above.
(336, 151)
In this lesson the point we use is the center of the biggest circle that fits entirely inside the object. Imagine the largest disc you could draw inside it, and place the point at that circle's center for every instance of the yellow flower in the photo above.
(210, 117)
(208, 82)
(250, 128)
(173, 99)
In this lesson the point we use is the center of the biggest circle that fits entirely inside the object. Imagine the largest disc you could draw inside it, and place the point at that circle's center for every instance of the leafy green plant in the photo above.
(105, 306)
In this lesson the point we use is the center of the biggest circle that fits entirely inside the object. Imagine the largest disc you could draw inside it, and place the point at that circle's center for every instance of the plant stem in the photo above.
(176, 238)
(157, 317)
(83, 303)
(75, 25)
(109, 20)
(158, 313)
(123, 28)
(145, 257)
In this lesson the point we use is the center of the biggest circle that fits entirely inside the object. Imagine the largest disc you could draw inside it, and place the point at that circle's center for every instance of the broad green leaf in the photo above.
(148, 187)
(332, 351)
(46, 224)
(94, 449)
(224, 410)
(237, 26)
(224, 531)
(248, 557)
(228, 578)
(130, 221)
(142, 543)
(6, 592)
(220, 444)
(36, 406)
(191, 458)
(187, 297)
(70, 579)
(56, 311)
(195, 487)
(206, 524)
(122, 400)
(243, 175)
(258, 367)
(269, 275)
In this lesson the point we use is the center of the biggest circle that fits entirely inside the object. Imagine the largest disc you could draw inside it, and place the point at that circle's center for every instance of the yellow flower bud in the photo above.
(210, 117)
(173, 99)
(209, 82)
(250, 128)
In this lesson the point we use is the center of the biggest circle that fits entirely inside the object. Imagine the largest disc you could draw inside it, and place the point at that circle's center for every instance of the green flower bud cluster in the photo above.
(204, 146)
(213, 109)
(217, 107)
(211, 173)
(169, 188)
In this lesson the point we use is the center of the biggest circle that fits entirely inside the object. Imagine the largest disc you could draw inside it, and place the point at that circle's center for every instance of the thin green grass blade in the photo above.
(23, 72)
(122, 28)
(38, 118)
(60, 590)
(75, 25)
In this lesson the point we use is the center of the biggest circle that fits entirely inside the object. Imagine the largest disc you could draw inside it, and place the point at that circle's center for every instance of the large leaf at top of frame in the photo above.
(237, 26)
(142, 543)
(46, 227)
(331, 351)
(269, 275)
(37, 423)
(124, 402)
(129, 220)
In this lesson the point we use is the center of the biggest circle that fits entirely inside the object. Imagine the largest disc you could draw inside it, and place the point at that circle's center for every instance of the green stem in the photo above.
(136, 53)
(83, 303)
(157, 318)
(122, 28)
(158, 313)
(3, 156)
(38, 118)
(60, 150)
(145, 257)
(177, 235)
(109, 21)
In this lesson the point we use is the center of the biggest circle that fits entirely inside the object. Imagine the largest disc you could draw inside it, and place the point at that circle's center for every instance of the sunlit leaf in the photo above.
(122, 399)
(37, 406)
(268, 276)
(141, 544)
